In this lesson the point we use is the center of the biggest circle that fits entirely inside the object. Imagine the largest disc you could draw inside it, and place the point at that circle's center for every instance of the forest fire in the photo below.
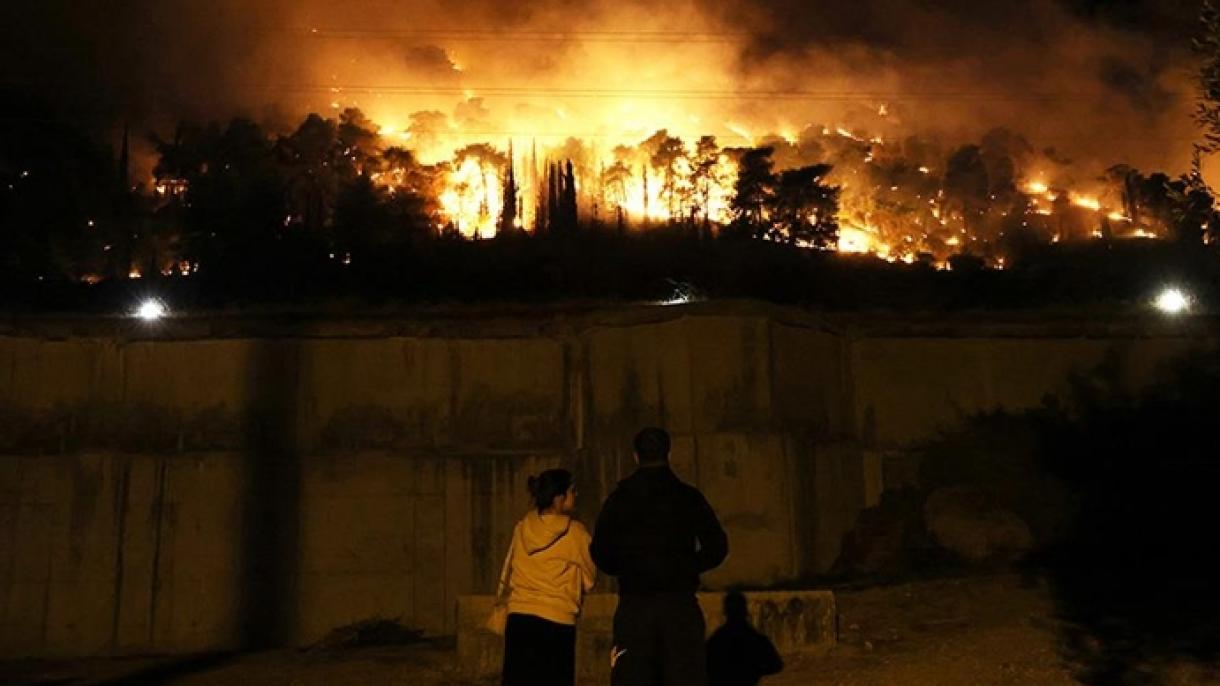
(632, 118)
(828, 187)
(896, 205)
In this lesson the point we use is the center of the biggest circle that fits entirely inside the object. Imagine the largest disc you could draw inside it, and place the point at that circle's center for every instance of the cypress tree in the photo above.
(552, 197)
(569, 197)
(508, 212)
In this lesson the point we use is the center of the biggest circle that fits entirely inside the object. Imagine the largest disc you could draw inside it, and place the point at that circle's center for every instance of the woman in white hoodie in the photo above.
(546, 575)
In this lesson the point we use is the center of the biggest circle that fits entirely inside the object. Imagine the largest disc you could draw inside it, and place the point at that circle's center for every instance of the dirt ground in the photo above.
(979, 630)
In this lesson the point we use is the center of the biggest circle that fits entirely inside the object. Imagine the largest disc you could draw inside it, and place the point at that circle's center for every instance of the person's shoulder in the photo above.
(689, 490)
(578, 529)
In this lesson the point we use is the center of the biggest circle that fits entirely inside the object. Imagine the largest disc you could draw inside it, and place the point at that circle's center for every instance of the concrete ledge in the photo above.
(795, 621)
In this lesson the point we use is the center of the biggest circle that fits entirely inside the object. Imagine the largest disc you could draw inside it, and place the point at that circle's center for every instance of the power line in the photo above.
(646, 93)
(514, 35)
(667, 93)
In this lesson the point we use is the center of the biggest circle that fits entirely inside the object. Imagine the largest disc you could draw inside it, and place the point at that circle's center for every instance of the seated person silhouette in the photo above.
(737, 653)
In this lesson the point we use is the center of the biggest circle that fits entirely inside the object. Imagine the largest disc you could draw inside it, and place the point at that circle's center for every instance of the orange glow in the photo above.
(1087, 202)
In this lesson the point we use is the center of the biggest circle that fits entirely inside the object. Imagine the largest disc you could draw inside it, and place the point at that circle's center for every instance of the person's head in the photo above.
(553, 491)
(652, 447)
(735, 607)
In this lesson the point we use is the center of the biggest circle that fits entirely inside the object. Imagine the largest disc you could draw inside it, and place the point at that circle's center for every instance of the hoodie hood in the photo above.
(539, 532)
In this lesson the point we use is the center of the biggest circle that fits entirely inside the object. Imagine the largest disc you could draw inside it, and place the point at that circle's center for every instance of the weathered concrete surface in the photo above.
(216, 482)
(117, 554)
(794, 621)
(906, 388)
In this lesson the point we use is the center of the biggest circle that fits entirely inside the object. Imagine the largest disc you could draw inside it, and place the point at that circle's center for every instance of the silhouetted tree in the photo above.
(1207, 106)
(508, 211)
(360, 140)
(568, 198)
(704, 175)
(314, 159)
(665, 154)
(236, 204)
(753, 191)
(362, 220)
(1183, 208)
(551, 218)
(616, 177)
(805, 210)
(967, 186)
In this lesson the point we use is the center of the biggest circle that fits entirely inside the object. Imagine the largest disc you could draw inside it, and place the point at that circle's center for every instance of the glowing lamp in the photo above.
(151, 310)
(1172, 301)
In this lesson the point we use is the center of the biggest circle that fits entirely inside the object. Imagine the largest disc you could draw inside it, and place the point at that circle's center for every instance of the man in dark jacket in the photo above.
(657, 535)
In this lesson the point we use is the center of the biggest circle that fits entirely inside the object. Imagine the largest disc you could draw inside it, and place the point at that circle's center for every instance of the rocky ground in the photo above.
(996, 629)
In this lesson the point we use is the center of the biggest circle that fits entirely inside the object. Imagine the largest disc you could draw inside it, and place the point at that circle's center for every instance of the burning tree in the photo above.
(753, 191)
(794, 206)
(804, 210)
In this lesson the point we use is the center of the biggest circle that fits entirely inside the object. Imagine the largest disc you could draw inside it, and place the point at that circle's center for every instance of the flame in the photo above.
(1087, 202)
(857, 240)
(847, 133)
(886, 208)
(472, 199)
(740, 131)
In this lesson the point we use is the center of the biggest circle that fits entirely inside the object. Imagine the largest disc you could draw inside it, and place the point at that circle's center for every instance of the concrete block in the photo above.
(404, 383)
(745, 478)
(189, 376)
(795, 622)
(508, 392)
(47, 374)
(810, 387)
(730, 359)
(431, 598)
(349, 535)
(24, 624)
(638, 376)
(199, 612)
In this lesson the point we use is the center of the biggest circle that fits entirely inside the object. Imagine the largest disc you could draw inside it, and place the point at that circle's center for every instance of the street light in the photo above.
(1172, 301)
(151, 310)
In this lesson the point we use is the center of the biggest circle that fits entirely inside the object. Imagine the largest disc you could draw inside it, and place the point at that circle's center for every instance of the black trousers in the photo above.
(658, 641)
(538, 652)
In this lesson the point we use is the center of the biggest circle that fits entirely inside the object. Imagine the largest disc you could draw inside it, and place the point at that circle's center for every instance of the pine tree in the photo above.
(753, 191)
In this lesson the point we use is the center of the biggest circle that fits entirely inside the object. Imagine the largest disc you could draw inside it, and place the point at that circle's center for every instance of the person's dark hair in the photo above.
(652, 446)
(545, 487)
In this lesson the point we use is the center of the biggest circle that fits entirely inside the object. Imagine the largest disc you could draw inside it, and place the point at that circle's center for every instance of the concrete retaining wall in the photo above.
(217, 483)
(794, 621)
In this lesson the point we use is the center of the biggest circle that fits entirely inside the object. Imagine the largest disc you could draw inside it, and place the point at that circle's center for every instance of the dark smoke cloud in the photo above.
(1099, 79)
